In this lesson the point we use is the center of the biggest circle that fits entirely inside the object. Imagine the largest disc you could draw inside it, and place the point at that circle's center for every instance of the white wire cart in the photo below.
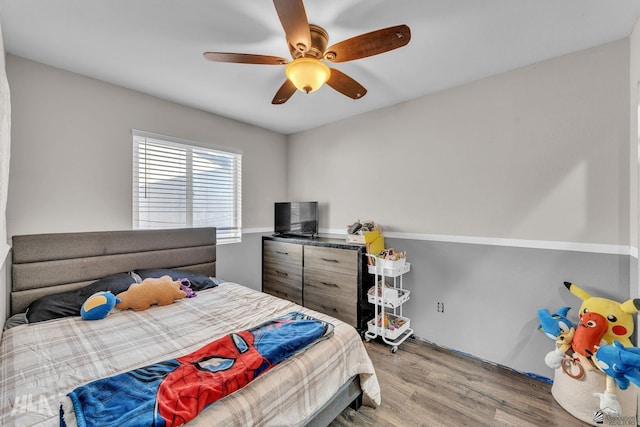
(388, 322)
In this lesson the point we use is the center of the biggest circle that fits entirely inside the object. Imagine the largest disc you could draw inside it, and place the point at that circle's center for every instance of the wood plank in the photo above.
(426, 385)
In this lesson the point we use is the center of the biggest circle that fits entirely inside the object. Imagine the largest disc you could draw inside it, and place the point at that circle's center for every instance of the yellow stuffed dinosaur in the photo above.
(160, 291)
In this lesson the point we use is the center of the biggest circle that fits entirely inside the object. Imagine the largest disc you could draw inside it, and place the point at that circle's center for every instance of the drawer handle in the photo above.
(330, 284)
(329, 260)
(282, 273)
(282, 253)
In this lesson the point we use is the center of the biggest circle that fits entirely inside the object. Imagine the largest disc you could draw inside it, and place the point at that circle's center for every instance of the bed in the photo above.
(42, 362)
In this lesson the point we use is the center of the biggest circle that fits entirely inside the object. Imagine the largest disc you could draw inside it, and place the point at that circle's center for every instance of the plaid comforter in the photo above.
(41, 363)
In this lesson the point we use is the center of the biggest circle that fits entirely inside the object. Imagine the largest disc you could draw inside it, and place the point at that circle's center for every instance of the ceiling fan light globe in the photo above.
(307, 74)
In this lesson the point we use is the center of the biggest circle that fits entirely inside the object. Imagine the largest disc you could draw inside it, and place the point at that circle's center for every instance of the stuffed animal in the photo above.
(185, 286)
(555, 358)
(621, 363)
(553, 325)
(618, 315)
(560, 329)
(589, 332)
(158, 291)
(98, 306)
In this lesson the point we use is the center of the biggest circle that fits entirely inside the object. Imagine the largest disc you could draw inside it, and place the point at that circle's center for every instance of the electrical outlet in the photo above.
(440, 307)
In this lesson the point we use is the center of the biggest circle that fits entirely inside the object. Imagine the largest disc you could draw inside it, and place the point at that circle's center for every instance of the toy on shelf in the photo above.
(356, 231)
(391, 322)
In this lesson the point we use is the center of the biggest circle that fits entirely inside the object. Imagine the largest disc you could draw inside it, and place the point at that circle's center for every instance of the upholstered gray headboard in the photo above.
(50, 263)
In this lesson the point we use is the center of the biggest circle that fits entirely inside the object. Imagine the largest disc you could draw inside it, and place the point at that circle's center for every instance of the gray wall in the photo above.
(539, 153)
(499, 191)
(491, 295)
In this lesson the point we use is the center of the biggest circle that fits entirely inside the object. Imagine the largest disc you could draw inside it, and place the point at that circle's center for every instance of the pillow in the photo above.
(199, 282)
(16, 320)
(69, 303)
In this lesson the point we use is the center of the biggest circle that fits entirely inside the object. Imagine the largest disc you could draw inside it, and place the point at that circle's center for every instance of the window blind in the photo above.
(177, 184)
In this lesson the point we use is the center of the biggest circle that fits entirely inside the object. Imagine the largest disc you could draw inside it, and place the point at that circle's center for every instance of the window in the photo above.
(179, 183)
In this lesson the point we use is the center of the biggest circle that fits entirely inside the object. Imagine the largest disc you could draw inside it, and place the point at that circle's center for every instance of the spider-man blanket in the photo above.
(172, 392)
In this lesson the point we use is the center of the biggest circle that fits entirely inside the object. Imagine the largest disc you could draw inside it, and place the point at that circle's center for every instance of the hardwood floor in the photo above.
(426, 385)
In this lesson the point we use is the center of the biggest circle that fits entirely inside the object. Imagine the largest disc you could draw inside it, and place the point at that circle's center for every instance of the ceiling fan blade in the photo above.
(369, 44)
(284, 93)
(244, 58)
(346, 85)
(294, 21)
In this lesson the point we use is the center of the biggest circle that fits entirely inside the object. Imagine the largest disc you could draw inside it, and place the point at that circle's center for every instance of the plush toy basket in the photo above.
(575, 395)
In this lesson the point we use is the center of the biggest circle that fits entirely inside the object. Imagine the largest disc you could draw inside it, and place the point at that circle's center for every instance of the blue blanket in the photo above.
(172, 392)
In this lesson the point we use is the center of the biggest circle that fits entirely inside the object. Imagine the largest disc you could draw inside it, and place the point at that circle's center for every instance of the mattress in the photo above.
(42, 362)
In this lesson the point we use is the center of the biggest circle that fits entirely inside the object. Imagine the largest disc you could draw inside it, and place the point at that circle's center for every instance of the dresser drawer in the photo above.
(330, 283)
(283, 290)
(277, 252)
(331, 259)
(285, 273)
(340, 308)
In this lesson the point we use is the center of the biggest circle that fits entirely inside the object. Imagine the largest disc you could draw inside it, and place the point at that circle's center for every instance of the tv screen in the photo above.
(296, 218)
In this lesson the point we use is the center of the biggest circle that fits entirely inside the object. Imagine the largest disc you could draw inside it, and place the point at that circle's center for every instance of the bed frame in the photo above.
(44, 264)
(51, 263)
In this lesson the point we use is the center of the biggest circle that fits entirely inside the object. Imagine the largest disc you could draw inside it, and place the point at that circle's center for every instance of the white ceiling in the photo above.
(156, 47)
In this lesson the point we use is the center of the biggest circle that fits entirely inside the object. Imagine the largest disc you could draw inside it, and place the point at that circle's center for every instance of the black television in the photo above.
(299, 219)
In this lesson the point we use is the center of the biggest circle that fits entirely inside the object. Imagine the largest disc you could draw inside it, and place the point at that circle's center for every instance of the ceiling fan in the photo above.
(308, 46)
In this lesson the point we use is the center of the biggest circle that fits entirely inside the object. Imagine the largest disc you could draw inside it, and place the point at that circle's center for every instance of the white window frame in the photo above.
(177, 202)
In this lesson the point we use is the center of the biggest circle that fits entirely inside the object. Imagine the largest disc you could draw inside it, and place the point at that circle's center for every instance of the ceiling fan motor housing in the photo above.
(319, 42)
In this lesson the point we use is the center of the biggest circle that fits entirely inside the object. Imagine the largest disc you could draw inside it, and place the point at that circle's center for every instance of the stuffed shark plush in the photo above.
(621, 363)
(558, 328)
(554, 324)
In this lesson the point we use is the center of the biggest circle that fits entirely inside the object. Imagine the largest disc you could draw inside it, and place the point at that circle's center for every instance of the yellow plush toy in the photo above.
(140, 296)
(618, 315)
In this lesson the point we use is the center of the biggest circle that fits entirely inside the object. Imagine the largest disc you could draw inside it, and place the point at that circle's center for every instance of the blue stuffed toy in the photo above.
(560, 329)
(553, 325)
(620, 363)
(98, 305)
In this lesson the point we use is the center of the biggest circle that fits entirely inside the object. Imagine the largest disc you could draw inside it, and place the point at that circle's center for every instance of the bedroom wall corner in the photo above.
(634, 160)
(5, 285)
(5, 151)
(241, 262)
(4, 295)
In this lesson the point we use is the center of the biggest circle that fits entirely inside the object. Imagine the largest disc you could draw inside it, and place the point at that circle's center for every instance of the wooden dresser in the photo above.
(324, 274)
